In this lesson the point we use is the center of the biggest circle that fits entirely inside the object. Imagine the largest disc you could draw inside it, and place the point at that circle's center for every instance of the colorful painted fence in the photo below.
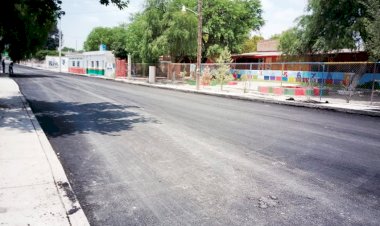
(301, 76)
(293, 90)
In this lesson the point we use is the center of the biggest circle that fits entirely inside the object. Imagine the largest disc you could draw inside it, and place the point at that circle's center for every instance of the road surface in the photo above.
(146, 156)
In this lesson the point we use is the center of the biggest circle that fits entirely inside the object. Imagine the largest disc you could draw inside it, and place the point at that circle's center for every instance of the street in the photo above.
(145, 156)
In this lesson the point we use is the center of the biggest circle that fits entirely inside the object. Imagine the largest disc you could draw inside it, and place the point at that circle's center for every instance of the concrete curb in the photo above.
(74, 212)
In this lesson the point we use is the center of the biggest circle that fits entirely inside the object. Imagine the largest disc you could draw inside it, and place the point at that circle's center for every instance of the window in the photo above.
(78, 63)
(73, 63)
(92, 64)
(97, 64)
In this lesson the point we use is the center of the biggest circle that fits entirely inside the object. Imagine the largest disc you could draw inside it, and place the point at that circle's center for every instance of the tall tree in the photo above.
(25, 24)
(372, 25)
(52, 42)
(335, 25)
(98, 35)
(165, 30)
(229, 23)
(250, 44)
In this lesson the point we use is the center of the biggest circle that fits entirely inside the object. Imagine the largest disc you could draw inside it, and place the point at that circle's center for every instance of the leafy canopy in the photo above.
(250, 44)
(163, 29)
(25, 24)
(335, 25)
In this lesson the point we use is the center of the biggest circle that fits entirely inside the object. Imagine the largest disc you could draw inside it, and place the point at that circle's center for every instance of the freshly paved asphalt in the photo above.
(145, 156)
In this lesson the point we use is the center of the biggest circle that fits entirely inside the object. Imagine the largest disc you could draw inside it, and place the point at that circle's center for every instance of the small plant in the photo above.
(245, 80)
(183, 74)
(224, 71)
(206, 77)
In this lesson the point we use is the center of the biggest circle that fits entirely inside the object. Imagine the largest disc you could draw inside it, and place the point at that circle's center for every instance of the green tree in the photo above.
(25, 24)
(250, 45)
(289, 41)
(134, 34)
(372, 25)
(114, 38)
(223, 73)
(229, 23)
(335, 25)
(41, 54)
(68, 49)
(98, 35)
(52, 42)
(162, 29)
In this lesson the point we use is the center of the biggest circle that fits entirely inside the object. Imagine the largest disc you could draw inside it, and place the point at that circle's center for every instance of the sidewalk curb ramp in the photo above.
(73, 209)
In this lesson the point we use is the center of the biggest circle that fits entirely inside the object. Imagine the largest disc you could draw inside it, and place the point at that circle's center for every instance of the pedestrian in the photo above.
(3, 65)
(10, 69)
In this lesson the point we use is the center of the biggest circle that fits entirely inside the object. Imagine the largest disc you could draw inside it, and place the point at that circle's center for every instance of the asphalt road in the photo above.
(145, 156)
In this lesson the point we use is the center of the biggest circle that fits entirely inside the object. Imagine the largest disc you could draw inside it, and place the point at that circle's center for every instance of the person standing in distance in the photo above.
(3, 65)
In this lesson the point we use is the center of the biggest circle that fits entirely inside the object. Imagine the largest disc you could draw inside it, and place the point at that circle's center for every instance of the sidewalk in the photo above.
(34, 189)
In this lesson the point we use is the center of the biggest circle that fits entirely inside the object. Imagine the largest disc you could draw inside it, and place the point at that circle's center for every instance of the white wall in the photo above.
(52, 62)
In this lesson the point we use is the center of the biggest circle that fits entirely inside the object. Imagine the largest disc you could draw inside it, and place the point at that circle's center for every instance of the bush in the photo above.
(40, 55)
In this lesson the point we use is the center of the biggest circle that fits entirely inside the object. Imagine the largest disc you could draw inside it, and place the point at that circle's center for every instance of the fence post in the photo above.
(373, 83)
(129, 66)
(282, 72)
(320, 89)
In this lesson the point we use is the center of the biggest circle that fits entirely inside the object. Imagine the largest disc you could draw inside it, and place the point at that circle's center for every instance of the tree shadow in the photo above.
(70, 118)
(13, 114)
(26, 75)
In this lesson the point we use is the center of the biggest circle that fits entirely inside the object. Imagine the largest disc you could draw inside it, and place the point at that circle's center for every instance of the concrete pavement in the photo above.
(34, 189)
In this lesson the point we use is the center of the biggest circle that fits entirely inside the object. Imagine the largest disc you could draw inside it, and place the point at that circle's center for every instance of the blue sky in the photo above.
(82, 16)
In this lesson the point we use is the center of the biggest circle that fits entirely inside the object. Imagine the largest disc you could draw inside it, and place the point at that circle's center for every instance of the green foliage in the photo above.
(335, 25)
(229, 23)
(163, 29)
(52, 42)
(114, 38)
(372, 26)
(98, 35)
(119, 3)
(250, 45)
(223, 72)
(25, 24)
(275, 37)
(289, 41)
(41, 54)
(67, 49)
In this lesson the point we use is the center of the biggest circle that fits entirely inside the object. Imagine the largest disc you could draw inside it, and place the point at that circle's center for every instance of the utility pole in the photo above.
(199, 50)
(60, 46)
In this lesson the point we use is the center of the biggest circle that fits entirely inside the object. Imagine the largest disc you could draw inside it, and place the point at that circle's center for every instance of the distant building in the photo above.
(99, 63)
(268, 52)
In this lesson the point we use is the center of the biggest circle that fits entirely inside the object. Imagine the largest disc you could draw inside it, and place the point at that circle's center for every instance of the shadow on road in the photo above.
(69, 118)
(17, 75)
